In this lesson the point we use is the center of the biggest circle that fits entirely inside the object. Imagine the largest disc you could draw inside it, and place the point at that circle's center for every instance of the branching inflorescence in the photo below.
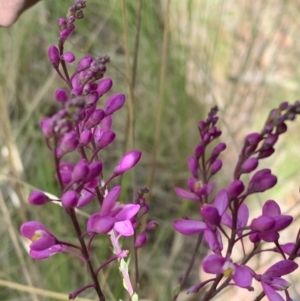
(228, 209)
(83, 129)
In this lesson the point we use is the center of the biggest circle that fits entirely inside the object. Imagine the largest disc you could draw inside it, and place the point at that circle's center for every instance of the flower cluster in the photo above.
(81, 130)
(228, 208)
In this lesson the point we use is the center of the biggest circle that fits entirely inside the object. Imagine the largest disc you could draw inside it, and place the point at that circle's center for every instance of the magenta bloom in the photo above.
(44, 243)
(217, 264)
(271, 280)
(270, 222)
(113, 215)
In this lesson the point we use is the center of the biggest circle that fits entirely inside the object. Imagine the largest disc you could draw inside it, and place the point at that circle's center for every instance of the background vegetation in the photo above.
(174, 59)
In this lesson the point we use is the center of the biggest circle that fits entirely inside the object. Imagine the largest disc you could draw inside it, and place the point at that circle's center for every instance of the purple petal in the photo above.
(38, 198)
(128, 161)
(281, 268)
(104, 86)
(213, 264)
(114, 103)
(243, 215)
(186, 194)
(226, 220)
(281, 222)
(110, 200)
(47, 253)
(289, 247)
(127, 212)
(216, 246)
(43, 243)
(124, 228)
(102, 225)
(278, 284)
(193, 166)
(221, 201)
(270, 236)
(211, 215)
(28, 229)
(242, 276)
(271, 293)
(271, 208)
(189, 227)
(85, 198)
(262, 223)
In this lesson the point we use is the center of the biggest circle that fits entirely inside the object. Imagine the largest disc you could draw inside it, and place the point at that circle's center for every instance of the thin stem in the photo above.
(190, 266)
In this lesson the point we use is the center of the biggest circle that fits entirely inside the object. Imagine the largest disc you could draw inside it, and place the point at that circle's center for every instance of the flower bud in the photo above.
(235, 188)
(81, 170)
(211, 215)
(65, 170)
(151, 225)
(249, 165)
(61, 95)
(199, 151)
(69, 142)
(114, 103)
(84, 63)
(38, 198)
(53, 55)
(216, 166)
(263, 223)
(253, 139)
(69, 199)
(128, 161)
(281, 128)
(86, 137)
(270, 141)
(92, 98)
(106, 139)
(193, 166)
(261, 181)
(140, 240)
(95, 170)
(266, 153)
(97, 117)
(101, 225)
(68, 57)
(104, 86)
(47, 127)
(64, 34)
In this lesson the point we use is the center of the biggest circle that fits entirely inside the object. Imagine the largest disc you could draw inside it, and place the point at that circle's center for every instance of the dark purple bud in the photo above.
(270, 141)
(71, 27)
(284, 105)
(216, 166)
(128, 161)
(145, 208)
(254, 238)
(84, 63)
(202, 125)
(199, 151)
(253, 139)
(114, 103)
(38, 198)
(235, 188)
(92, 98)
(86, 137)
(281, 128)
(263, 223)
(69, 199)
(47, 127)
(68, 57)
(266, 153)
(217, 150)
(140, 240)
(69, 142)
(53, 55)
(193, 166)
(106, 138)
(61, 95)
(211, 215)
(265, 183)
(260, 174)
(64, 34)
(249, 165)
(152, 225)
(95, 170)
(206, 138)
(81, 170)
(104, 86)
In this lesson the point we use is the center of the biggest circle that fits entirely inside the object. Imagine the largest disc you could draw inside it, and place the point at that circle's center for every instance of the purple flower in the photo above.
(128, 161)
(113, 215)
(217, 264)
(270, 222)
(43, 242)
(271, 280)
